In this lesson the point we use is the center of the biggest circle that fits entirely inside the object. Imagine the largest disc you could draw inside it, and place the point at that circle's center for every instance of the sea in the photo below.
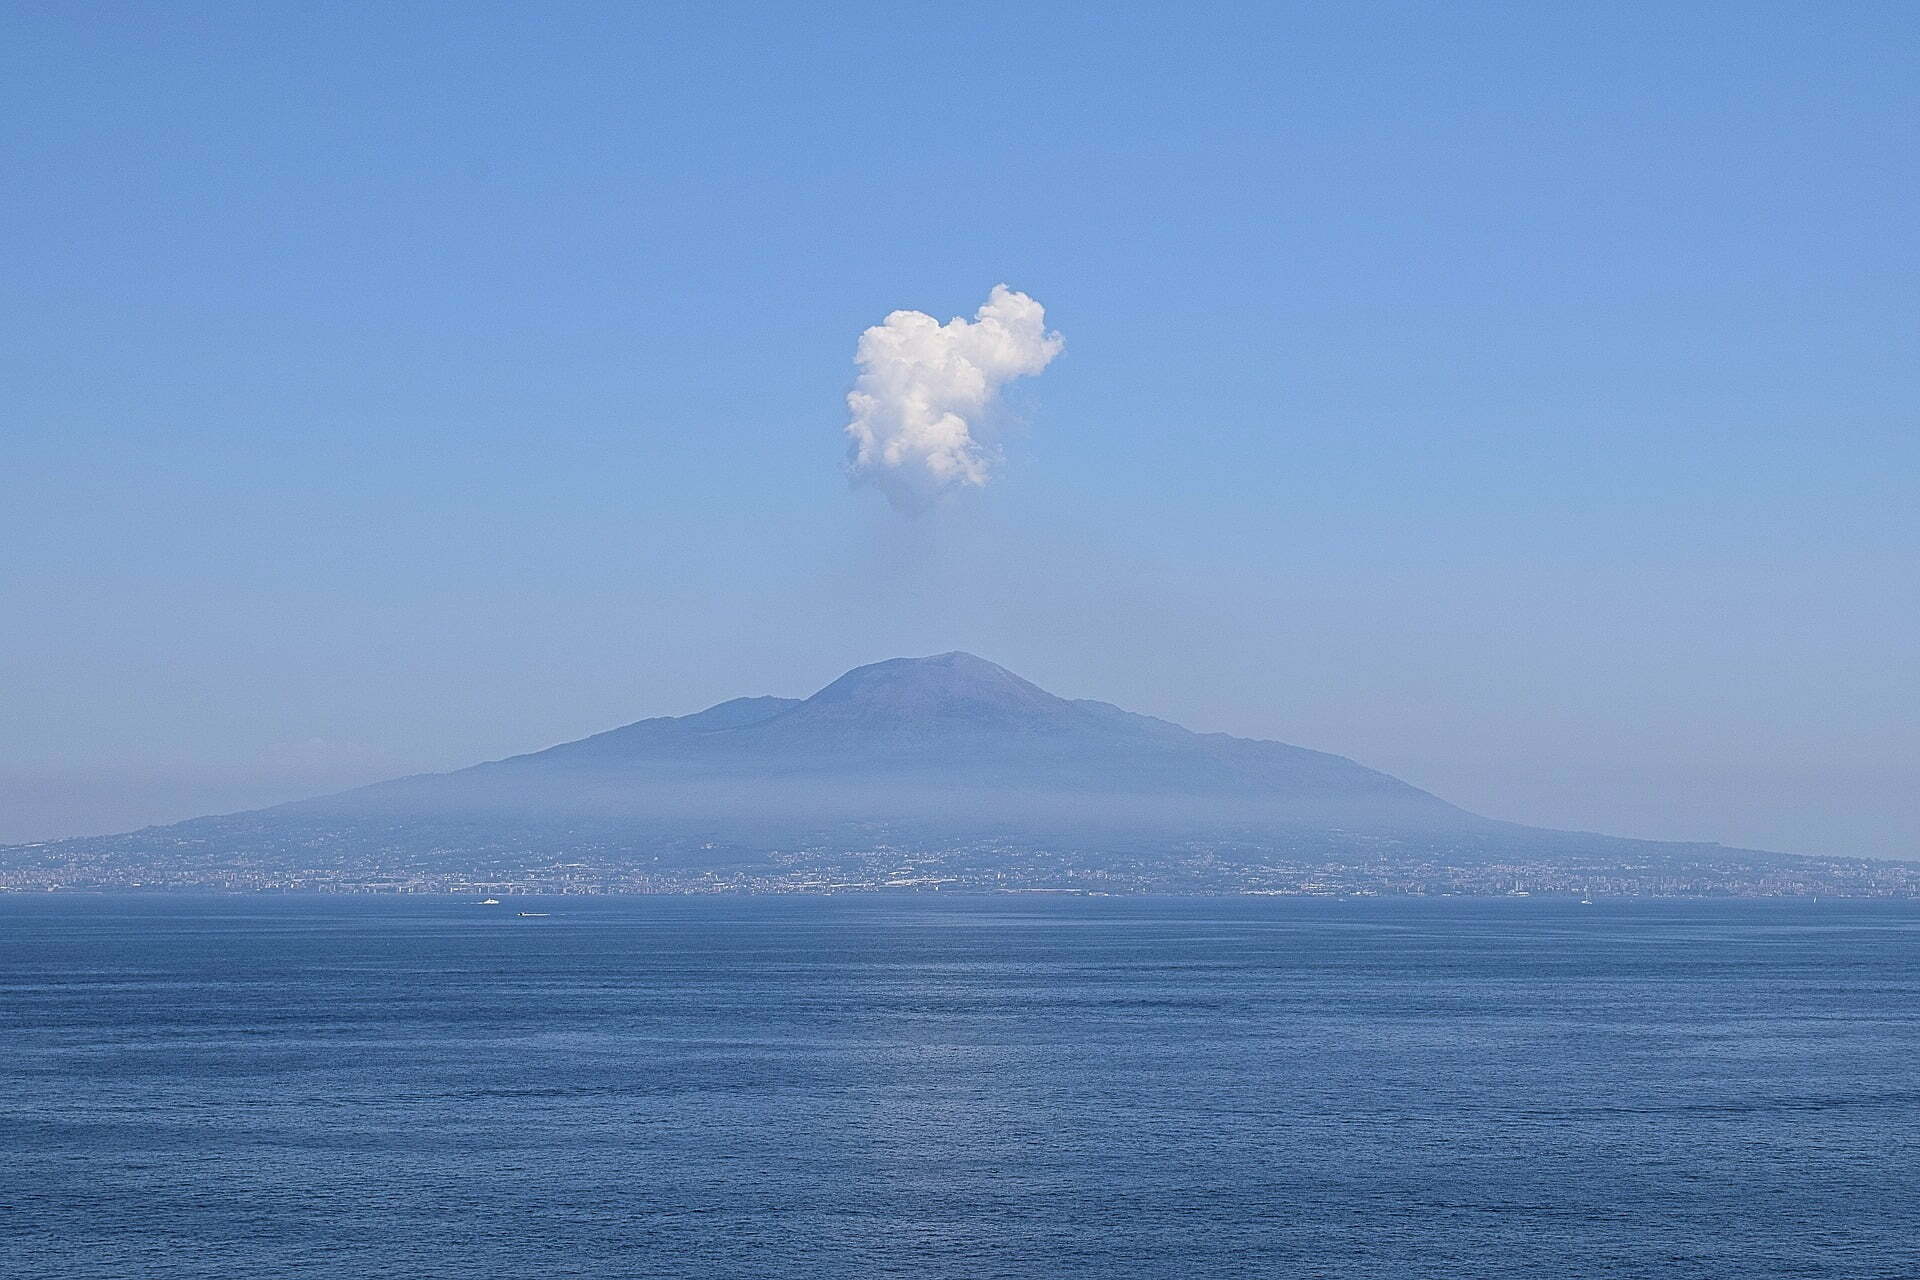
(936, 1085)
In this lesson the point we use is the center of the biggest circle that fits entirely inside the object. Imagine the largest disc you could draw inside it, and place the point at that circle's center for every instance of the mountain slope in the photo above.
(952, 739)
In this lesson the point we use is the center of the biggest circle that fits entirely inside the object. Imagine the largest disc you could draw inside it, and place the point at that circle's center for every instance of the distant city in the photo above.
(1704, 872)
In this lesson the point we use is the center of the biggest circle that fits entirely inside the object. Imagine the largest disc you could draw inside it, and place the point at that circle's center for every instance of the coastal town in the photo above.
(1707, 872)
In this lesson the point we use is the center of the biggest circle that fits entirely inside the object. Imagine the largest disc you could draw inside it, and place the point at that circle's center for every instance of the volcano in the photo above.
(950, 752)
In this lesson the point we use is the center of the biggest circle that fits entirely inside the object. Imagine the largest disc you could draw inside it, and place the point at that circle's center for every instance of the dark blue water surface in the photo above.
(957, 1087)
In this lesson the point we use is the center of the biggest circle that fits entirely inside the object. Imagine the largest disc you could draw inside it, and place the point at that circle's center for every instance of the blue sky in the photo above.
(1518, 398)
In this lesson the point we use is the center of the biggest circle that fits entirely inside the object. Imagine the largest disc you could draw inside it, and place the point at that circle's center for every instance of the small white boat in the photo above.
(488, 902)
(533, 915)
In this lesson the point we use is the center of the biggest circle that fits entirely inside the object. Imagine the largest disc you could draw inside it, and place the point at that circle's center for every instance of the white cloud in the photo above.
(925, 388)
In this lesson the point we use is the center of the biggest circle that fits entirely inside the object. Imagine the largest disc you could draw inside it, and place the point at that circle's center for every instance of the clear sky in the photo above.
(1518, 398)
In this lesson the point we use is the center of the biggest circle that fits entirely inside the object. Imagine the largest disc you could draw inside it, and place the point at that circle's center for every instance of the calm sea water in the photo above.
(957, 1087)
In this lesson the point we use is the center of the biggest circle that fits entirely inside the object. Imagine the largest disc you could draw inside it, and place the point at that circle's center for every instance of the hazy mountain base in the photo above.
(277, 850)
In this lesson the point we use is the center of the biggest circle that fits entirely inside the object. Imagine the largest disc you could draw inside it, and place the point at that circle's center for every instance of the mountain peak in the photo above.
(945, 686)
